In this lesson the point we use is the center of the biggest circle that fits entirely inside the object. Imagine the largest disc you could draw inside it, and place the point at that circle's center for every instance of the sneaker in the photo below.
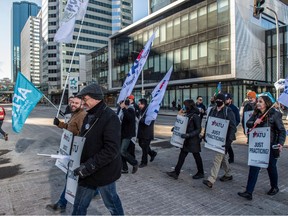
(198, 176)
(153, 156)
(207, 183)
(134, 169)
(6, 137)
(172, 174)
(55, 208)
(226, 178)
(124, 171)
(273, 191)
(142, 165)
(246, 195)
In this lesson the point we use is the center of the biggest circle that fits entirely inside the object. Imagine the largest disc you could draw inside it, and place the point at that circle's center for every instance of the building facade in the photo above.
(30, 49)
(21, 11)
(206, 41)
(122, 14)
(57, 58)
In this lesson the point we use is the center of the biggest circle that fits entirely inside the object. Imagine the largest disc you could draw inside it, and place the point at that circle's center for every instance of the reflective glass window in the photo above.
(193, 56)
(176, 28)
(212, 15)
(224, 50)
(184, 25)
(202, 54)
(185, 58)
(169, 30)
(202, 19)
(223, 11)
(163, 33)
(193, 22)
(213, 52)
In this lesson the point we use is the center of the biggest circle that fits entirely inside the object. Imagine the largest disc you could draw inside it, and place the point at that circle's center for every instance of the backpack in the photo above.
(2, 113)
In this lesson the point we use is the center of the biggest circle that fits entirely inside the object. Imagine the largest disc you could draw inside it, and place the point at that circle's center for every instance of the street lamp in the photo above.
(278, 49)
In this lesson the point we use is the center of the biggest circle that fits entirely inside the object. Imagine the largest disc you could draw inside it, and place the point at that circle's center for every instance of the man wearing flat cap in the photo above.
(100, 159)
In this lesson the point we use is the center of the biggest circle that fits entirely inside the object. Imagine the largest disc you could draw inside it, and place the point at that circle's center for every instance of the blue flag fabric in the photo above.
(25, 98)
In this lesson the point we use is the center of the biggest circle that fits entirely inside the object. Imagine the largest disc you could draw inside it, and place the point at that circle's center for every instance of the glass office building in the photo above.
(206, 41)
(21, 11)
(122, 15)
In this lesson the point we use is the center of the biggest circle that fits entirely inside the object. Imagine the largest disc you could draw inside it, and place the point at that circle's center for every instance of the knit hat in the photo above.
(220, 97)
(131, 97)
(94, 91)
(251, 94)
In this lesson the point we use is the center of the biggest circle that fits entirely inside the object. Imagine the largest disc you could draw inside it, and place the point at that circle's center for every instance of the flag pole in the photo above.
(67, 78)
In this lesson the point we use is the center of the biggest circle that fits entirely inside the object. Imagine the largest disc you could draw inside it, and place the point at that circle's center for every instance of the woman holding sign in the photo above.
(192, 140)
(265, 115)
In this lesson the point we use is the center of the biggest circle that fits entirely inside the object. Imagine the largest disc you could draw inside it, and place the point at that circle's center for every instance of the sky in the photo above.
(5, 36)
(140, 11)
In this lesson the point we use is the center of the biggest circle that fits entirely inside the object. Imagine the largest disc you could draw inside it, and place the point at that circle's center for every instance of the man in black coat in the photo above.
(100, 159)
(145, 134)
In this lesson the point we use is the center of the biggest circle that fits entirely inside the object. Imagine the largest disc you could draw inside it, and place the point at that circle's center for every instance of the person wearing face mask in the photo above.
(73, 125)
(223, 112)
(191, 142)
(250, 105)
(273, 119)
(228, 103)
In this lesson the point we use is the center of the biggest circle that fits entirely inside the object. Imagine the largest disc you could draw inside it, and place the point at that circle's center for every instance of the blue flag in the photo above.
(25, 98)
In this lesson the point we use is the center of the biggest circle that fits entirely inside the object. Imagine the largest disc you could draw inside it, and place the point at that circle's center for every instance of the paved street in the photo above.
(30, 182)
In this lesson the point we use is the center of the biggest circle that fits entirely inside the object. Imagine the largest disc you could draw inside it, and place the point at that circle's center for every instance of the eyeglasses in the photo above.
(85, 99)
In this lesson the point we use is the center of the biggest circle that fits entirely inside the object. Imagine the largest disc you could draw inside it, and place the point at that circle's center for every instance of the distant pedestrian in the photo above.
(173, 105)
(2, 117)
(127, 132)
(145, 134)
(222, 112)
(192, 141)
(277, 137)
(249, 106)
(100, 159)
(229, 103)
(201, 106)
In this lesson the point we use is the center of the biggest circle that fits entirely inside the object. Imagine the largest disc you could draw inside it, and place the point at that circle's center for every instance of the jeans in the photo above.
(145, 146)
(126, 154)
(131, 150)
(181, 160)
(272, 173)
(109, 196)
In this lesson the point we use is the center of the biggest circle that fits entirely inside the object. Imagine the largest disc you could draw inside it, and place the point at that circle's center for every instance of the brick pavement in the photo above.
(148, 192)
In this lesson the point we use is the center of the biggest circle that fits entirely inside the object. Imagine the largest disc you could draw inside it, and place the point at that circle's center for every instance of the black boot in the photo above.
(173, 174)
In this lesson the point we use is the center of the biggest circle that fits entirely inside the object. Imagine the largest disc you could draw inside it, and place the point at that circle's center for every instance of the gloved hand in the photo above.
(172, 129)
(61, 113)
(185, 136)
(81, 171)
(56, 121)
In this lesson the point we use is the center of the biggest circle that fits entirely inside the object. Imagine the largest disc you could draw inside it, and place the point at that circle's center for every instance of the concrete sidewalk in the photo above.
(31, 182)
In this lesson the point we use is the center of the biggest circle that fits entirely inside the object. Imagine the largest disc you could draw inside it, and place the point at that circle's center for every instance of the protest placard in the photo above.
(72, 181)
(247, 116)
(64, 149)
(259, 147)
(215, 135)
(180, 127)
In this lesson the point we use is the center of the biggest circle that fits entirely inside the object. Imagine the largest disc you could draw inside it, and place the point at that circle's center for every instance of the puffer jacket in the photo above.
(273, 120)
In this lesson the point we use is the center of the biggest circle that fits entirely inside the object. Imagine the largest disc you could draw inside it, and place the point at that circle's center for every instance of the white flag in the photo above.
(74, 10)
(135, 70)
(279, 84)
(283, 99)
(157, 96)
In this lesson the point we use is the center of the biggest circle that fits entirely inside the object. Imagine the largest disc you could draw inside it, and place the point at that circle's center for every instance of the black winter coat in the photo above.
(192, 144)
(128, 123)
(145, 131)
(101, 151)
(274, 121)
(226, 113)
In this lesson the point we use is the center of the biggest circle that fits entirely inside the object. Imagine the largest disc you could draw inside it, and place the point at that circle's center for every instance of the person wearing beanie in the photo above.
(100, 158)
(249, 106)
(222, 112)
